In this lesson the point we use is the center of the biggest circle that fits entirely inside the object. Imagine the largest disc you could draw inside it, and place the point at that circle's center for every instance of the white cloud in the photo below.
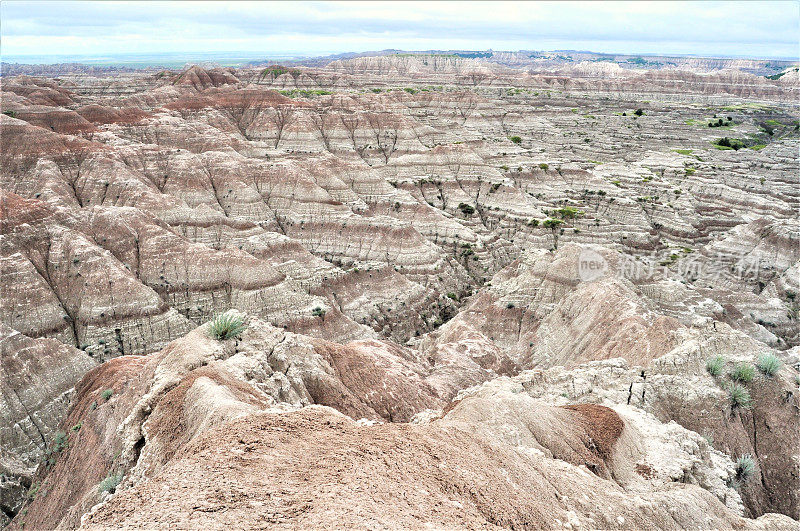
(94, 28)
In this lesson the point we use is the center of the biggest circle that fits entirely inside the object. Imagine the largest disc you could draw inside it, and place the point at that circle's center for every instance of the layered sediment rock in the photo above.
(224, 402)
(483, 246)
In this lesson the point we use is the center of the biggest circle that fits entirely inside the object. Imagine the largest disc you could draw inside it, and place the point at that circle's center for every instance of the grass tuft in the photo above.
(745, 466)
(740, 396)
(59, 441)
(743, 372)
(715, 365)
(768, 364)
(226, 326)
(110, 484)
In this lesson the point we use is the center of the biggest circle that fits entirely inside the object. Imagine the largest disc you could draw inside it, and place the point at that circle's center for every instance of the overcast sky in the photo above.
(761, 29)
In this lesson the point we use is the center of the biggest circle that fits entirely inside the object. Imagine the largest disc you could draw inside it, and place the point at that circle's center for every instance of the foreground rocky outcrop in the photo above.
(208, 433)
(38, 377)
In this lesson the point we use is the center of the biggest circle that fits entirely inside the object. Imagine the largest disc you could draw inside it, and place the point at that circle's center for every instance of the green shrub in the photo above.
(552, 223)
(638, 112)
(110, 484)
(740, 396)
(715, 365)
(318, 312)
(274, 71)
(743, 372)
(568, 213)
(729, 143)
(227, 326)
(107, 394)
(466, 209)
(745, 466)
(515, 139)
(768, 364)
(544, 166)
(59, 441)
(304, 93)
(10, 113)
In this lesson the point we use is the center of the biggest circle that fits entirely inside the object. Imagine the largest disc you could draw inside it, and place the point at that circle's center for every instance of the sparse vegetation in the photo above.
(715, 365)
(743, 372)
(554, 225)
(515, 139)
(466, 209)
(729, 143)
(274, 71)
(568, 213)
(227, 326)
(304, 93)
(318, 312)
(745, 466)
(59, 441)
(110, 483)
(107, 394)
(721, 123)
(768, 364)
(739, 396)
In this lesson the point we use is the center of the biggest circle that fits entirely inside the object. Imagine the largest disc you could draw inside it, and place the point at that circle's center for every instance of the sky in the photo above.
(751, 29)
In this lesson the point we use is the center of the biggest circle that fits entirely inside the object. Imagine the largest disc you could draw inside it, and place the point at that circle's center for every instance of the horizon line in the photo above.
(79, 58)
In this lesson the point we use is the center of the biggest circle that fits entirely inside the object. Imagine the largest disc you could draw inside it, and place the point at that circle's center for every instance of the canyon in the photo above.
(512, 290)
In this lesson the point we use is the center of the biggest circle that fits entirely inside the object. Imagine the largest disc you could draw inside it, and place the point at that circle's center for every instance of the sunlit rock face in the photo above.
(494, 280)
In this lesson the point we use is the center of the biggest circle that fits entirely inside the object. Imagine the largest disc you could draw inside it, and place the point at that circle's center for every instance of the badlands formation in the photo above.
(478, 292)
